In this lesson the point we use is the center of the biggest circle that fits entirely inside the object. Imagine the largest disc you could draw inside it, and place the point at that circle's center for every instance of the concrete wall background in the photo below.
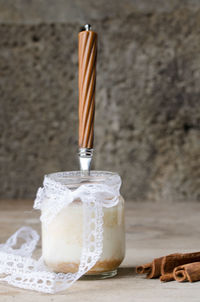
(147, 97)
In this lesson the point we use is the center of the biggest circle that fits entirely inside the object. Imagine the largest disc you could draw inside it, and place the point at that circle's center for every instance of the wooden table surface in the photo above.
(152, 230)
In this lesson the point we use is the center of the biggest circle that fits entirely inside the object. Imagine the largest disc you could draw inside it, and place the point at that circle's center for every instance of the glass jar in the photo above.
(62, 237)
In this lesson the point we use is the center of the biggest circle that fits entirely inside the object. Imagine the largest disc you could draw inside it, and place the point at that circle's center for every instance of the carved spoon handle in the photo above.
(87, 83)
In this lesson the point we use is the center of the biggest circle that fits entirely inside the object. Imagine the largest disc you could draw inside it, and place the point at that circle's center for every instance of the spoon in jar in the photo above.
(87, 55)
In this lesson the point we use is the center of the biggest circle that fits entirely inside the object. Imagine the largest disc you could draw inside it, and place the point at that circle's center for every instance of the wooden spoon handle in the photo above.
(87, 82)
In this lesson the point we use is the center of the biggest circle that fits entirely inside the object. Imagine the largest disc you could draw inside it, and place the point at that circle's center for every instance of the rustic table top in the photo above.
(152, 230)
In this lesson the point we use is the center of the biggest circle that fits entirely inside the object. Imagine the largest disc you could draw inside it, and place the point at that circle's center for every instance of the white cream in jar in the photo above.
(62, 238)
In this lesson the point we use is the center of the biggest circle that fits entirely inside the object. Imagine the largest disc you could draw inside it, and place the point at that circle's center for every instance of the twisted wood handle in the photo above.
(87, 82)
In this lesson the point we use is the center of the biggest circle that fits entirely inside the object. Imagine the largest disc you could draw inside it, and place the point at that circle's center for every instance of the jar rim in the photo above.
(76, 178)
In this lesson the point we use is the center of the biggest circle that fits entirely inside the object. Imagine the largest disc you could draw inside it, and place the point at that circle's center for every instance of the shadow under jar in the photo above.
(62, 238)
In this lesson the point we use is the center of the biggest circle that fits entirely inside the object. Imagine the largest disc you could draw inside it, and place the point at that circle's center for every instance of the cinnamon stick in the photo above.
(171, 261)
(188, 272)
(164, 267)
(152, 269)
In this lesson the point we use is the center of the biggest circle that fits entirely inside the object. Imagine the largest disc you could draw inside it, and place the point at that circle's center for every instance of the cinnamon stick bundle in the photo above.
(173, 266)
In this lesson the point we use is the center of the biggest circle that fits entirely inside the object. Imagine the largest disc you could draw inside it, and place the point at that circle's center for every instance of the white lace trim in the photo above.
(17, 266)
(56, 195)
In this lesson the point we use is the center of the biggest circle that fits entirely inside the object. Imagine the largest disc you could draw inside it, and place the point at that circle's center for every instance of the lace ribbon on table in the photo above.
(18, 268)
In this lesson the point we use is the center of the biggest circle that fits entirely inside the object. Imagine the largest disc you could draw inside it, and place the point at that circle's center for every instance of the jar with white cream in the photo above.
(83, 217)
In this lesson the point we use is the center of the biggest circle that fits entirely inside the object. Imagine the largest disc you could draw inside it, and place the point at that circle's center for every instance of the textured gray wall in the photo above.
(147, 97)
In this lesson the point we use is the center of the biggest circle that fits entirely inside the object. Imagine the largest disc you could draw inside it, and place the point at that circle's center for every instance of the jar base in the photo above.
(100, 276)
